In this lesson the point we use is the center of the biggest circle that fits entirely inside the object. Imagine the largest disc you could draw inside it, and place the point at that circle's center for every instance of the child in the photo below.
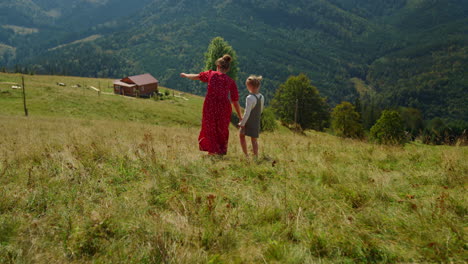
(250, 124)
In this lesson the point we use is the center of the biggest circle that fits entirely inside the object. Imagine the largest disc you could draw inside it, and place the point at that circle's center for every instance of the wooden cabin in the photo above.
(144, 85)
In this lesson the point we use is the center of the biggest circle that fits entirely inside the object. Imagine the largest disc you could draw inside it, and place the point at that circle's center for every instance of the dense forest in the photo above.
(386, 53)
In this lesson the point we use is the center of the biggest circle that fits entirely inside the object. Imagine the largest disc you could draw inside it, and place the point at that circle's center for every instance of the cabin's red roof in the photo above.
(143, 79)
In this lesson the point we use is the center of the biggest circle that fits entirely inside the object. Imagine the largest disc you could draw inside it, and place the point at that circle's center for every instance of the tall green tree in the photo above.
(345, 121)
(298, 101)
(370, 112)
(388, 129)
(217, 48)
(358, 107)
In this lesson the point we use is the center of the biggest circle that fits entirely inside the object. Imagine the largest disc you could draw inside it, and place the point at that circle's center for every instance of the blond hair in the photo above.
(224, 62)
(254, 80)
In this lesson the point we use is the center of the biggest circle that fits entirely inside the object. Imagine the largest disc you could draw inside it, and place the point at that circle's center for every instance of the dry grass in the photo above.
(84, 191)
(82, 183)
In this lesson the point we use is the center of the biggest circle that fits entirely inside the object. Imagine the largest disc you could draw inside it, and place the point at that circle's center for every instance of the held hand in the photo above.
(183, 75)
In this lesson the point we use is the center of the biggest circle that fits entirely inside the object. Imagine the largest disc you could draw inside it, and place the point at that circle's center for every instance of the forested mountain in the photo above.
(390, 53)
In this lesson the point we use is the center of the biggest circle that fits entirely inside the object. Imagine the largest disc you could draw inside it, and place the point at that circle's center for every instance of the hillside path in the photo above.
(97, 90)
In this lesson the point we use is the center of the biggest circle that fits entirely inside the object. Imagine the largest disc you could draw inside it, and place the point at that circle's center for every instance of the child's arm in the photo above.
(262, 101)
(250, 103)
(190, 76)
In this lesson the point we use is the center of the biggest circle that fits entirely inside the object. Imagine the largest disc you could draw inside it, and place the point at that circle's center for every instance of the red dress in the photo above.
(214, 134)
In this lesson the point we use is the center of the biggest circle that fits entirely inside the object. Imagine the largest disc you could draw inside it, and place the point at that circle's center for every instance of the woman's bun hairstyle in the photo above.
(224, 62)
(227, 58)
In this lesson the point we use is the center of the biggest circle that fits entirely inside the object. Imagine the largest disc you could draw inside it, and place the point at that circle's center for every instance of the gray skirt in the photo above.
(251, 129)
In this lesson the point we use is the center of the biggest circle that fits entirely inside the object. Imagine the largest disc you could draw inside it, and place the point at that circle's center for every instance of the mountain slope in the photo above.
(332, 41)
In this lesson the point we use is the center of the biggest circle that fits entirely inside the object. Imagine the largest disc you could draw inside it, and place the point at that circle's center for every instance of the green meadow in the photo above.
(110, 179)
(47, 99)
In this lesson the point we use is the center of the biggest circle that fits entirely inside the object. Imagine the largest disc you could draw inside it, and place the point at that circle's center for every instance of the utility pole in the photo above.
(24, 98)
(295, 112)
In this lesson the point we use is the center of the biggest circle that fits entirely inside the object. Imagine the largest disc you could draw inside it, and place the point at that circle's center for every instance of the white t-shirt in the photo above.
(250, 103)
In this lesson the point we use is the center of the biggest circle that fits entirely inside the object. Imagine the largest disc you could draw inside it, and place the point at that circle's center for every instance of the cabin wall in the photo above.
(142, 91)
(128, 91)
(148, 90)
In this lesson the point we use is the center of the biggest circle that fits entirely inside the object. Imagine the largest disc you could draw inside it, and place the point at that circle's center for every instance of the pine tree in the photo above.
(217, 48)
(358, 107)
(412, 120)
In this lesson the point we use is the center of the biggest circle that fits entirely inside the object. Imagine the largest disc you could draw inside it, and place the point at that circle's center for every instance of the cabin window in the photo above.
(142, 88)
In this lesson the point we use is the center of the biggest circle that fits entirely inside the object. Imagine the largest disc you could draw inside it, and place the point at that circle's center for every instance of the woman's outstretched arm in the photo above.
(190, 76)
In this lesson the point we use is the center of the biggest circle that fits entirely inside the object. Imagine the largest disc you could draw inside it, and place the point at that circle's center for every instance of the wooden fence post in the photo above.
(24, 98)
(295, 112)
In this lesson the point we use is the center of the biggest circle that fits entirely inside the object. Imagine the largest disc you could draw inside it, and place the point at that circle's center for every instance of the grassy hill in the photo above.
(46, 98)
(82, 183)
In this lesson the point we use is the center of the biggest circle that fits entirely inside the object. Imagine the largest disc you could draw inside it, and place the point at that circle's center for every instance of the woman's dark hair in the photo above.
(224, 62)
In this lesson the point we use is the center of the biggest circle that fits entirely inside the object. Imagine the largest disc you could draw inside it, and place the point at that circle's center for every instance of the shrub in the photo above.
(439, 132)
(268, 122)
(234, 119)
(346, 121)
(388, 129)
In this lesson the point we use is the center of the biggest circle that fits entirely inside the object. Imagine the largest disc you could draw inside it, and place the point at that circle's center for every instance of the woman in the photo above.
(217, 110)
